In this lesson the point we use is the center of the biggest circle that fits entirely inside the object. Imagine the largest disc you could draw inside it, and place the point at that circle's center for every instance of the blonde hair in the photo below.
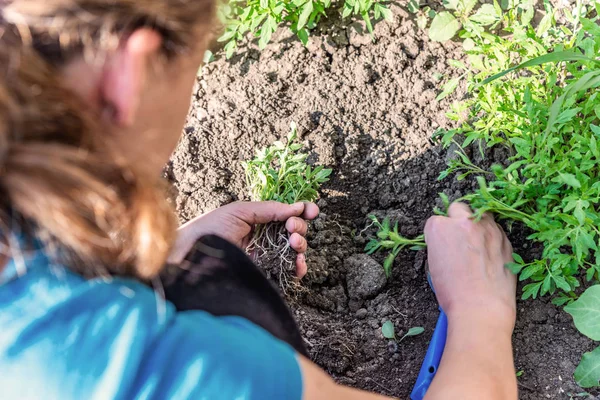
(58, 178)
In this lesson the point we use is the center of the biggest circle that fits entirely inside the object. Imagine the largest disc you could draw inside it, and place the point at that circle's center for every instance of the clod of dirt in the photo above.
(365, 277)
(362, 313)
(357, 34)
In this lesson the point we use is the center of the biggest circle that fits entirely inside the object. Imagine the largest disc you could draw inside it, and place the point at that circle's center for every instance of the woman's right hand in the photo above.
(466, 262)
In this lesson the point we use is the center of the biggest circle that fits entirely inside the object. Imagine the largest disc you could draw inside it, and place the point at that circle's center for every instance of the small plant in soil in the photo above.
(389, 332)
(280, 173)
(260, 18)
(389, 239)
(465, 18)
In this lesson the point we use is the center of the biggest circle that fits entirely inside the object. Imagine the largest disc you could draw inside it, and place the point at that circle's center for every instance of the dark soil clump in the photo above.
(368, 111)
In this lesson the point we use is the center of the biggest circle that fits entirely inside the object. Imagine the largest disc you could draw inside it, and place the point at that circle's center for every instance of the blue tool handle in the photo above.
(432, 357)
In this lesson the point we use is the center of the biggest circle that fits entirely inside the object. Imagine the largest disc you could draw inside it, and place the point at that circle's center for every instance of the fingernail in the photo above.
(298, 206)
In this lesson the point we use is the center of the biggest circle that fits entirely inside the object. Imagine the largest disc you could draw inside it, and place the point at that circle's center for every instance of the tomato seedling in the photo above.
(389, 332)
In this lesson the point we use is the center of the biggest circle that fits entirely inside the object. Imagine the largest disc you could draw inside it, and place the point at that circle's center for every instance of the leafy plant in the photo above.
(461, 18)
(423, 14)
(389, 332)
(280, 173)
(548, 119)
(534, 92)
(391, 240)
(260, 18)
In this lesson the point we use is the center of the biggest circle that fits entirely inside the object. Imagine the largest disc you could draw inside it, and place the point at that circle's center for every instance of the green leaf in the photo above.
(567, 55)
(413, 6)
(303, 36)
(531, 290)
(514, 267)
(451, 4)
(377, 11)
(422, 21)
(387, 264)
(307, 9)
(388, 331)
(586, 313)
(230, 49)
(372, 246)
(561, 283)
(567, 115)
(486, 15)
(531, 270)
(448, 88)
(544, 24)
(266, 31)
(466, 6)
(443, 27)
(568, 179)
(546, 285)
(517, 258)
(208, 57)
(561, 300)
(587, 373)
(579, 212)
(414, 331)
(386, 13)
(228, 35)
(347, 10)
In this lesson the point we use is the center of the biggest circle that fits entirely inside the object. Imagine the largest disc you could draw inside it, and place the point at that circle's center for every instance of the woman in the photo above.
(93, 95)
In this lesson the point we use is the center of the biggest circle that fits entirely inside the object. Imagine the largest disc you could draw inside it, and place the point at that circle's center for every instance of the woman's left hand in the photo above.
(234, 222)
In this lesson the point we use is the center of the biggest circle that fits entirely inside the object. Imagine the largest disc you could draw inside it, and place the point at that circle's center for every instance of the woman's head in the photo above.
(93, 95)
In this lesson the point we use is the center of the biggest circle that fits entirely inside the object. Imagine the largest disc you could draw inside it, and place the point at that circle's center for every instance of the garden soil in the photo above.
(367, 109)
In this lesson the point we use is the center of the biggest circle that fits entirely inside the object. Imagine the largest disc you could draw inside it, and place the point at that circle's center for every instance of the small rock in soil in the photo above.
(365, 278)
(354, 305)
(419, 260)
(361, 313)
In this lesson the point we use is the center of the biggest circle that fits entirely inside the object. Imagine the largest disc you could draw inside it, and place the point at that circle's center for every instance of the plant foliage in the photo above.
(280, 172)
(546, 113)
(389, 239)
(534, 91)
(260, 18)
(389, 332)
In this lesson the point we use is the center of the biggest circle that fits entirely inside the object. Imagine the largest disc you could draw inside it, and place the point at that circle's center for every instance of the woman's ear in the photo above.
(125, 76)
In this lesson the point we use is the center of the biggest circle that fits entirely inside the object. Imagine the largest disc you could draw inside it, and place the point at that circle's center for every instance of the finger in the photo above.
(301, 267)
(311, 211)
(488, 218)
(263, 212)
(459, 210)
(507, 249)
(296, 225)
(432, 225)
(298, 243)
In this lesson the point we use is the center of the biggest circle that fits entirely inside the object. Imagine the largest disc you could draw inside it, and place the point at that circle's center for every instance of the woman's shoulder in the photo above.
(119, 337)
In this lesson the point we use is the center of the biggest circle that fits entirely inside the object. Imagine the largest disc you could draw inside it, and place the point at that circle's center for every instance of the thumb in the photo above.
(263, 212)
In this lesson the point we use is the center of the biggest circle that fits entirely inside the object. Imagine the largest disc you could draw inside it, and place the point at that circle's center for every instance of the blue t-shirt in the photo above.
(64, 337)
